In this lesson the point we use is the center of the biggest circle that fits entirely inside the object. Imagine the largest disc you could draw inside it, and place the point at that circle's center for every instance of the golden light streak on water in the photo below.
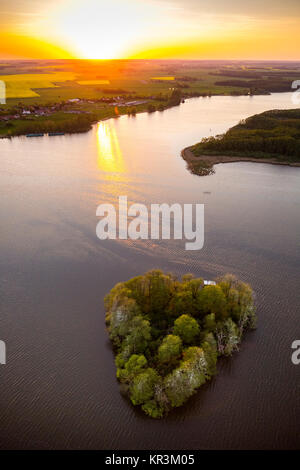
(110, 157)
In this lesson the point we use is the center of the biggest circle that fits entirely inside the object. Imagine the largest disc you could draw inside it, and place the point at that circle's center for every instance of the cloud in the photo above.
(183, 25)
(255, 8)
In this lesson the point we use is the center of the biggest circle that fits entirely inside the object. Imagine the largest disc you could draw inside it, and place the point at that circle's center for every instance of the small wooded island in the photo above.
(168, 334)
(269, 137)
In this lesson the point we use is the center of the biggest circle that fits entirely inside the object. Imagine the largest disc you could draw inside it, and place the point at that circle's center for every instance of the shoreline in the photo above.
(138, 111)
(63, 132)
(203, 165)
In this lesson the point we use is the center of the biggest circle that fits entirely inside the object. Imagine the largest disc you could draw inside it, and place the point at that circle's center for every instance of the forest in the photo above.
(272, 134)
(167, 334)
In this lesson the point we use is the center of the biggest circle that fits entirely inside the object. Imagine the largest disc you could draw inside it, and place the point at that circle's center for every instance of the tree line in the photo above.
(266, 135)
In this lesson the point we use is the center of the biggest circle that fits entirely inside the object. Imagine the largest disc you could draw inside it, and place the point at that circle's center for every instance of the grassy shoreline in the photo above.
(70, 118)
(65, 122)
(203, 165)
(270, 137)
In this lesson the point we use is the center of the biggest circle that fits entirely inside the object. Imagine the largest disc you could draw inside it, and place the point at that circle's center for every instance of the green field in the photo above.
(32, 85)
(25, 85)
(44, 81)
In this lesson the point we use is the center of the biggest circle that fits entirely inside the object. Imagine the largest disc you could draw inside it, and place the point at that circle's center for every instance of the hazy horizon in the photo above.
(150, 29)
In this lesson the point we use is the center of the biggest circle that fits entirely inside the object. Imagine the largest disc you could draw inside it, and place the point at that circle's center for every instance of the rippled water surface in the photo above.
(58, 389)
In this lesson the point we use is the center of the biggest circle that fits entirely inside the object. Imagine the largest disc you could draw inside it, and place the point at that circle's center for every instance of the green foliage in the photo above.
(210, 322)
(151, 108)
(134, 366)
(132, 111)
(152, 292)
(212, 300)
(190, 375)
(139, 335)
(143, 386)
(167, 334)
(239, 299)
(210, 348)
(187, 328)
(170, 349)
(272, 134)
(121, 317)
(153, 409)
(53, 123)
(185, 297)
(228, 337)
(175, 98)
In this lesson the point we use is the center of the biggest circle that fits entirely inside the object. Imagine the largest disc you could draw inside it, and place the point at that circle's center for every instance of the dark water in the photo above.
(58, 389)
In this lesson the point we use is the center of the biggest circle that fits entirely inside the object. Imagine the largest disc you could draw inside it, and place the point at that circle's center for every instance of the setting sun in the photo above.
(151, 29)
(100, 30)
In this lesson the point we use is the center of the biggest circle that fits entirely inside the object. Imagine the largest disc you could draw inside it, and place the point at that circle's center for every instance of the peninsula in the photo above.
(269, 137)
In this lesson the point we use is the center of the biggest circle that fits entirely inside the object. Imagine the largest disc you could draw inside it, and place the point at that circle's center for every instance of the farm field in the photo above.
(69, 95)
(42, 82)
(24, 85)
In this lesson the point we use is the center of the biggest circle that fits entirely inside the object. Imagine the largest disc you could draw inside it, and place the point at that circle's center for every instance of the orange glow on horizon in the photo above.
(18, 46)
(148, 29)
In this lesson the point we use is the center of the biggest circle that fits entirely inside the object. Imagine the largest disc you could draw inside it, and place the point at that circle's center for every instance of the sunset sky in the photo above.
(167, 29)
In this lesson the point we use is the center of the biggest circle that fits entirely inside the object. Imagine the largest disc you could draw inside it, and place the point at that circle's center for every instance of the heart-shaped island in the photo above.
(168, 334)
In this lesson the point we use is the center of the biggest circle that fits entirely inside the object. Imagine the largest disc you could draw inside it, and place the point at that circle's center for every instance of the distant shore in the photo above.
(73, 117)
(203, 165)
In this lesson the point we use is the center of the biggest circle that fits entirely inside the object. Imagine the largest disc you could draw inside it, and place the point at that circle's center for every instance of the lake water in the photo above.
(58, 389)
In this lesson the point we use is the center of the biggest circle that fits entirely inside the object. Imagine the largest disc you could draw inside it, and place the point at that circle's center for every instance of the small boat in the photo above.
(34, 135)
(51, 134)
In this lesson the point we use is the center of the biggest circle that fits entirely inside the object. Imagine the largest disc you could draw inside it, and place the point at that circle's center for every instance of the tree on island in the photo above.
(168, 334)
(187, 328)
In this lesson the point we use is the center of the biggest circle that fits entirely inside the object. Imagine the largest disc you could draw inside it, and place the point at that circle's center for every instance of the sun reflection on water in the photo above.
(110, 157)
